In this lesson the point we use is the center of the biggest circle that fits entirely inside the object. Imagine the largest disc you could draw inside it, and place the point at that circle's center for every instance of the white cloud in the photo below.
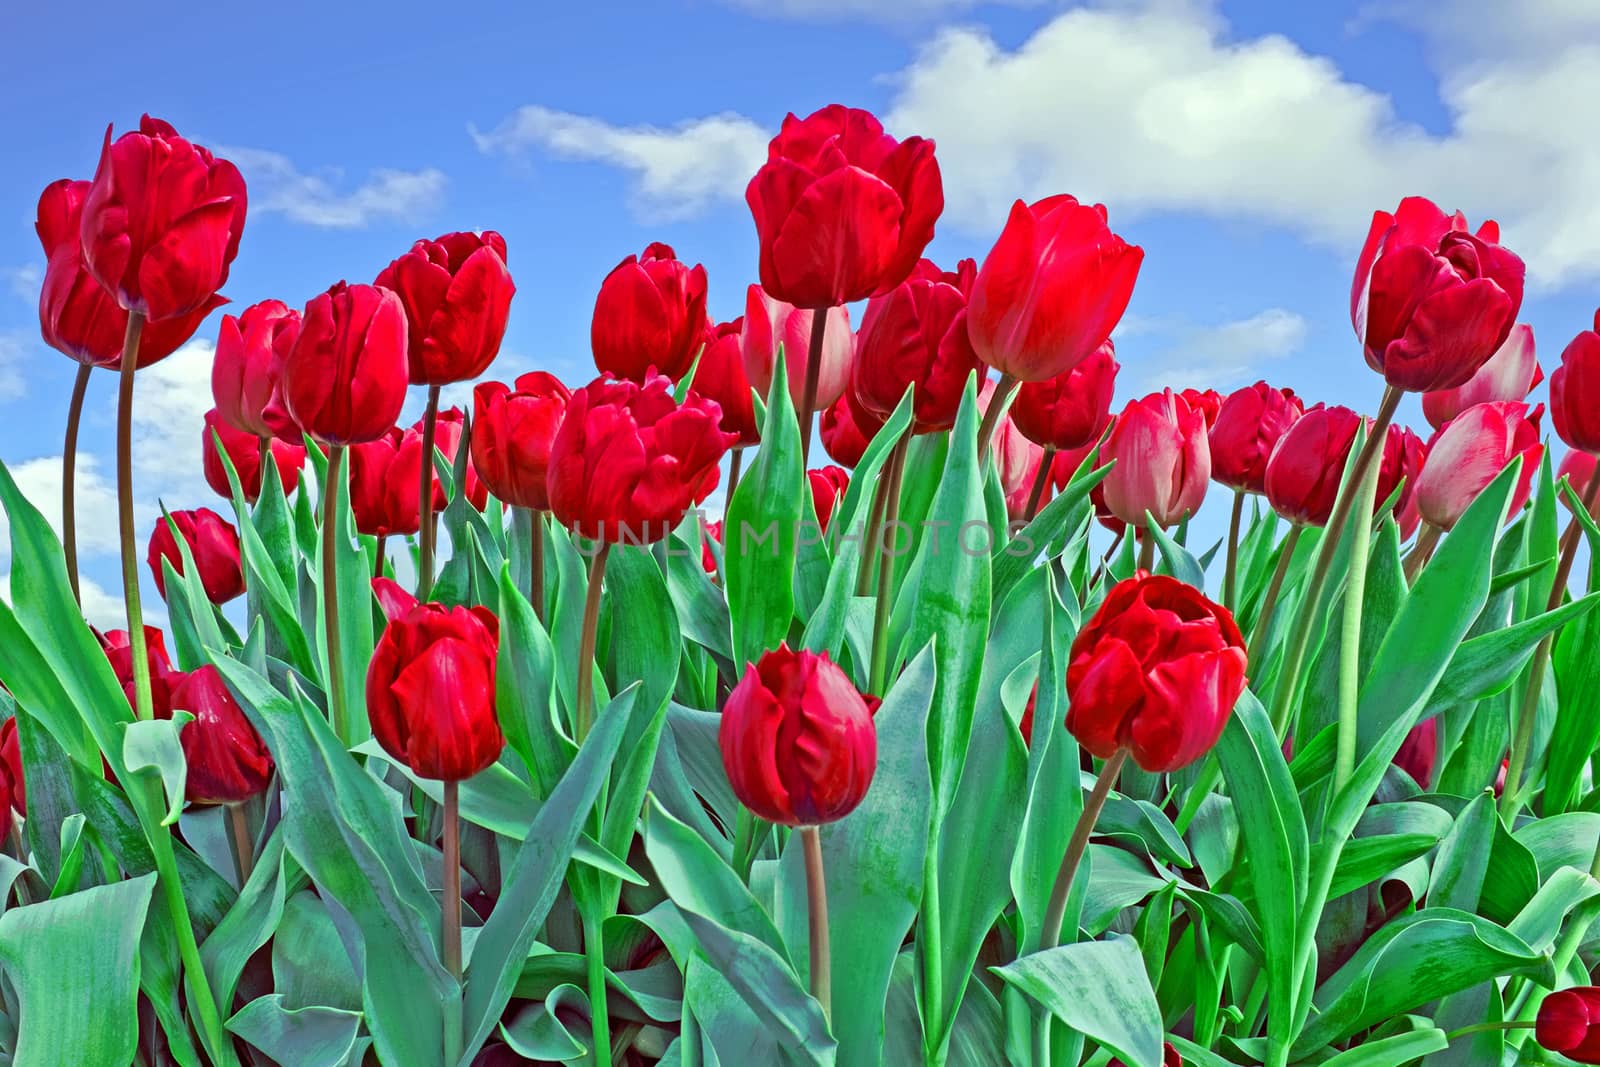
(1221, 356)
(678, 171)
(13, 382)
(277, 186)
(96, 496)
(24, 281)
(170, 403)
(101, 608)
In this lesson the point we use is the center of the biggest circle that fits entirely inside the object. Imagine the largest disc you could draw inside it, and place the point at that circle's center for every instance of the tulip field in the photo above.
(847, 683)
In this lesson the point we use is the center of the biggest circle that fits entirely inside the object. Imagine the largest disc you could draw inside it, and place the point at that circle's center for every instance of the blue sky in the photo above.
(1243, 144)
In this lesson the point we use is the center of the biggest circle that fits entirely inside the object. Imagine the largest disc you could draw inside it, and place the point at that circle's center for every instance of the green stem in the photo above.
(930, 942)
(1230, 579)
(1040, 480)
(1055, 912)
(584, 713)
(817, 915)
(997, 408)
(143, 706)
(338, 713)
(450, 914)
(879, 678)
(425, 531)
(1269, 604)
(1147, 553)
(1483, 1028)
(1344, 763)
(536, 564)
(69, 473)
(594, 953)
(735, 466)
(808, 398)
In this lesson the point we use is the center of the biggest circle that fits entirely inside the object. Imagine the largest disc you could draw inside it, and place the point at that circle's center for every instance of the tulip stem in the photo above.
(1040, 480)
(735, 465)
(1422, 551)
(1355, 591)
(1528, 715)
(874, 530)
(1269, 604)
(536, 563)
(243, 844)
(998, 400)
(1483, 1028)
(337, 713)
(1105, 560)
(383, 550)
(69, 473)
(425, 530)
(450, 905)
(584, 713)
(1055, 913)
(879, 678)
(817, 913)
(142, 705)
(264, 462)
(1147, 553)
(808, 399)
(599, 1015)
(1230, 578)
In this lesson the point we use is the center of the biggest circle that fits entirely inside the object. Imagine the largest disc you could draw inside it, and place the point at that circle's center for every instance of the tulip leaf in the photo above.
(311, 1036)
(1099, 989)
(702, 612)
(1049, 530)
(1462, 862)
(251, 920)
(524, 693)
(153, 745)
(192, 591)
(1388, 1051)
(1180, 562)
(1576, 734)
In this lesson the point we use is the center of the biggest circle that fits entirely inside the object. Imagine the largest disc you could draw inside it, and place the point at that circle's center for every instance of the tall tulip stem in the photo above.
(1040, 480)
(735, 465)
(450, 903)
(1056, 911)
(69, 474)
(536, 563)
(594, 952)
(143, 707)
(1269, 603)
(1230, 579)
(378, 562)
(1355, 591)
(337, 713)
(584, 713)
(425, 532)
(996, 410)
(243, 844)
(817, 914)
(879, 678)
(808, 399)
(1147, 553)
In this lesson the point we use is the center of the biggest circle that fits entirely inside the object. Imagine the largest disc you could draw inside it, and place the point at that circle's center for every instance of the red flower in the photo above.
(1511, 374)
(11, 769)
(1073, 408)
(1156, 671)
(847, 429)
(842, 210)
(1569, 1023)
(1206, 401)
(1413, 455)
(797, 739)
(711, 531)
(162, 675)
(449, 425)
(1419, 751)
(1163, 460)
(512, 431)
(1302, 481)
(1051, 290)
(1471, 450)
(828, 486)
(1575, 391)
(214, 544)
(1431, 302)
(382, 500)
(430, 686)
(629, 462)
(456, 291)
(344, 380)
(721, 377)
(769, 323)
(915, 336)
(650, 315)
(228, 762)
(1247, 427)
(161, 223)
(244, 376)
(244, 451)
(1578, 468)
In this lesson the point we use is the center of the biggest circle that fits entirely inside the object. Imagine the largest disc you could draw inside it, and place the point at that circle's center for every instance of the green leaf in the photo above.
(1577, 728)
(1098, 988)
(1388, 1051)
(1486, 665)
(1048, 531)
(525, 692)
(309, 964)
(152, 745)
(1179, 562)
(1463, 862)
(306, 1037)
(251, 920)
(697, 880)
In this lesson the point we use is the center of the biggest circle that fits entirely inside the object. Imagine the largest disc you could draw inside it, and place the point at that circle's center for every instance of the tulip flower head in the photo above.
(828, 486)
(1578, 468)
(847, 429)
(1511, 374)
(1247, 428)
(915, 337)
(1471, 450)
(650, 316)
(244, 375)
(214, 545)
(720, 376)
(1575, 392)
(1302, 478)
(119, 652)
(1569, 1023)
(244, 452)
(344, 380)
(1072, 409)
(513, 428)
(456, 292)
(11, 779)
(226, 758)
(1163, 460)
(1206, 401)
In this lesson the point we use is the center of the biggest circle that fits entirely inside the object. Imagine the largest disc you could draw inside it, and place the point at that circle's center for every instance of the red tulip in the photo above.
(915, 336)
(214, 544)
(457, 295)
(1073, 408)
(1511, 374)
(244, 451)
(119, 652)
(842, 210)
(1051, 290)
(1156, 671)
(244, 376)
(650, 316)
(382, 499)
(629, 462)
(1569, 1023)
(721, 377)
(344, 380)
(1419, 752)
(1431, 302)
(161, 223)
(1575, 391)
(449, 425)
(1163, 460)
(1206, 401)
(11, 767)
(1413, 455)
(1247, 427)
(430, 686)
(1578, 468)
(847, 429)
(1302, 481)
(711, 531)
(227, 760)
(1471, 450)
(797, 739)
(512, 431)
(769, 323)
(828, 486)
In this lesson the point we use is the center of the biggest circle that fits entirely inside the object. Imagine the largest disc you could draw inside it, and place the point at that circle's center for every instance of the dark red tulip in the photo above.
(1163, 460)
(1249, 424)
(847, 429)
(770, 323)
(214, 544)
(449, 425)
(1575, 391)
(1471, 450)
(1569, 1023)
(457, 295)
(1051, 290)
(430, 686)
(828, 486)
(11, 766)
(1156, 671)
(629, 461)
(162, 675)
(1511, 374)
(1578, 468)
(1413, 455)
(797, 739)
(244, 451)
(650, 315)
(227, 760)
(161, 222)
(382, 500)
(721, 377)
(344, 380)
(915, 337)
(1206, 401)
(1419, 751)
(512, 431)
(244, 375)
(1303, 475)
(842, 210)
(1073, 408)
(1431, 302)
(711, 531)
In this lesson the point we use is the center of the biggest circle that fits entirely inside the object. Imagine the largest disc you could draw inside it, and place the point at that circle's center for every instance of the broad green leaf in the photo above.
(700, 882)
(1098, 988)
(1463, 862)
(1050, 528)
(310, 967)
(254, 916)
(307, 1037)
(1388, 1051)
(153, 745)
(525, 690)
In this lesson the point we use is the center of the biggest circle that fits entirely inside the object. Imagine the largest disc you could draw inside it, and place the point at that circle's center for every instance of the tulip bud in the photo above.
(797, 739)
(430, 686)
(1431, 302)
(244, 452)
(1575, 391)
(915, 337)
(650, 314)
(1156, 671)
(456, 292)
(771, 323)
(1578, 468)
(1511, 374)
(227, 760)
(1208, 402)
(212, 542)
(1051, 290)
(1471, 450)
(119, 652)
(449, 425)
(382, 500)
(1163, 460)
(828, 486)
(1569, 1023)
(344, 380)
(1247, 427)
(629, 462)
(11, 766)
(1419, 751)
(1302, 482)
(512, 431)
(721, 377)
(244, 376)
(161, 223)
(1071, 409)
(711, 531)
(843, 211)
(847, 429)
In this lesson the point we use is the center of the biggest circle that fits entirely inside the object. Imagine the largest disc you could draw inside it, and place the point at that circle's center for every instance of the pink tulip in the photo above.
(1511, 374)
(1471, 450)
(1163, 460)
(769, 322)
